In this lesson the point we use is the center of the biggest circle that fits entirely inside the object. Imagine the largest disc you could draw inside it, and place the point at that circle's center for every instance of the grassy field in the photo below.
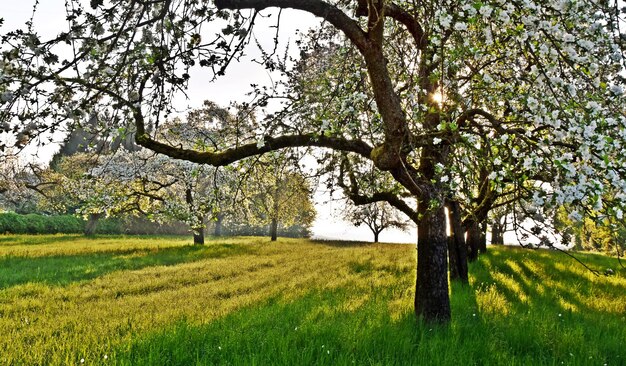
(69, 300)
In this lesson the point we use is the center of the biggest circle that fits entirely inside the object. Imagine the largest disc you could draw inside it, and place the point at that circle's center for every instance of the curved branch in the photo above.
(330, 13)
(358, 199)
(388, 197)
(228, 156)
(412, 25)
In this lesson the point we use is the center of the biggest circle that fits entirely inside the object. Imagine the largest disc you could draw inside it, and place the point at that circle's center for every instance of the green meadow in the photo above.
(116, 300)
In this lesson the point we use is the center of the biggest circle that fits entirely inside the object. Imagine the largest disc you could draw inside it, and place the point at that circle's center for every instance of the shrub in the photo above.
(12, 223)
(35, 224)
(109, 226)
(65, 224)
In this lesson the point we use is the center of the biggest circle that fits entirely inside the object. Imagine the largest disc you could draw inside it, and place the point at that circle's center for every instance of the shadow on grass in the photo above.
(65, 269)
(327, 328)
(545, 280)
(312, 330)
(317, 330)
(342, 243)
(15, 240)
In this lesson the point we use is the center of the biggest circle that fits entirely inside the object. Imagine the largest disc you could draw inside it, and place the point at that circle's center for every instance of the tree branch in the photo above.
(411, 24)
(228, 156)
(330, 13)
(358, 199)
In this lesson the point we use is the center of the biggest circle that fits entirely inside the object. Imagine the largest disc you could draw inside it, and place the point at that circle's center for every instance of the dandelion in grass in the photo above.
(106, 357)
(82, 360)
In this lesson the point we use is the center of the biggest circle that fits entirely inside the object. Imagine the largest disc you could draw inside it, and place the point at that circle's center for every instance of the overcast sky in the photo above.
(50, 20)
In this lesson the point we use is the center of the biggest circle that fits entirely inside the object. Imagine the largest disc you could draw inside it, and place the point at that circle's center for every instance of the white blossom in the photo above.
(460, 26)
(445, 21)
(486, 11)
(617, 89)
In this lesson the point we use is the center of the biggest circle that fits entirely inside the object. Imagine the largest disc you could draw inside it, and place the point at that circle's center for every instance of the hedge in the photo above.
(12, 223)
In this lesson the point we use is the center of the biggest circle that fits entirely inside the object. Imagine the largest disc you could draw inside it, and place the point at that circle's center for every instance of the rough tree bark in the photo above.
(198, 233)
(497, 236)
(482, 244)
(218, 225)
(432, 301)
(92, 224)
(198, 237)
(274, 229)
(473, 240)
(457, 248)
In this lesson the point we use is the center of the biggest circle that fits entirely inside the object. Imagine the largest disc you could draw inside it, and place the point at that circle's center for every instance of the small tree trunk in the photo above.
(198, 233)
(218, 225)
(92, 223)
(452, 259)
(376, 233)
(496, 233)
(473, 240)
(274, 229)
(457, 248)
(198, 236)
(432, 301)
(483, 238)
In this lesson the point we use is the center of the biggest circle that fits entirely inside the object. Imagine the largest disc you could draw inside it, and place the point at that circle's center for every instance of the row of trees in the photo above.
(423, 105)
(95, 178)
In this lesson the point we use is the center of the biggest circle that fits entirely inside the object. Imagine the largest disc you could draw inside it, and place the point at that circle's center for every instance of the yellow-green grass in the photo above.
(242, 301)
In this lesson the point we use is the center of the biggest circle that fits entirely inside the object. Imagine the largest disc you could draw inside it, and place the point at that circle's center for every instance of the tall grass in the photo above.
(246, 301)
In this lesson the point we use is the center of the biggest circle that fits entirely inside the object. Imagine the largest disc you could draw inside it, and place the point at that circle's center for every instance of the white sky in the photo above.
(50, 20)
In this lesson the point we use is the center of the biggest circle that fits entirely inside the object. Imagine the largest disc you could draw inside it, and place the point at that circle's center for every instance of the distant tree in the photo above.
(19, 183)
(276, 194)
(157, 186)
(500, 222)
(377, 217)
(593, 232)
(72, 187)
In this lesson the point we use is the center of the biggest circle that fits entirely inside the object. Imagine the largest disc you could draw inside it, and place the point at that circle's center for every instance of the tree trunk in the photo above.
(198, 236)
(432, 301)
(453, 264)
(92, 223)
(497, 236)
(376, 233)
(198, 233)
(457, 248)
(274, 229)
(218, 225)
(483, 238)
(473, 240)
